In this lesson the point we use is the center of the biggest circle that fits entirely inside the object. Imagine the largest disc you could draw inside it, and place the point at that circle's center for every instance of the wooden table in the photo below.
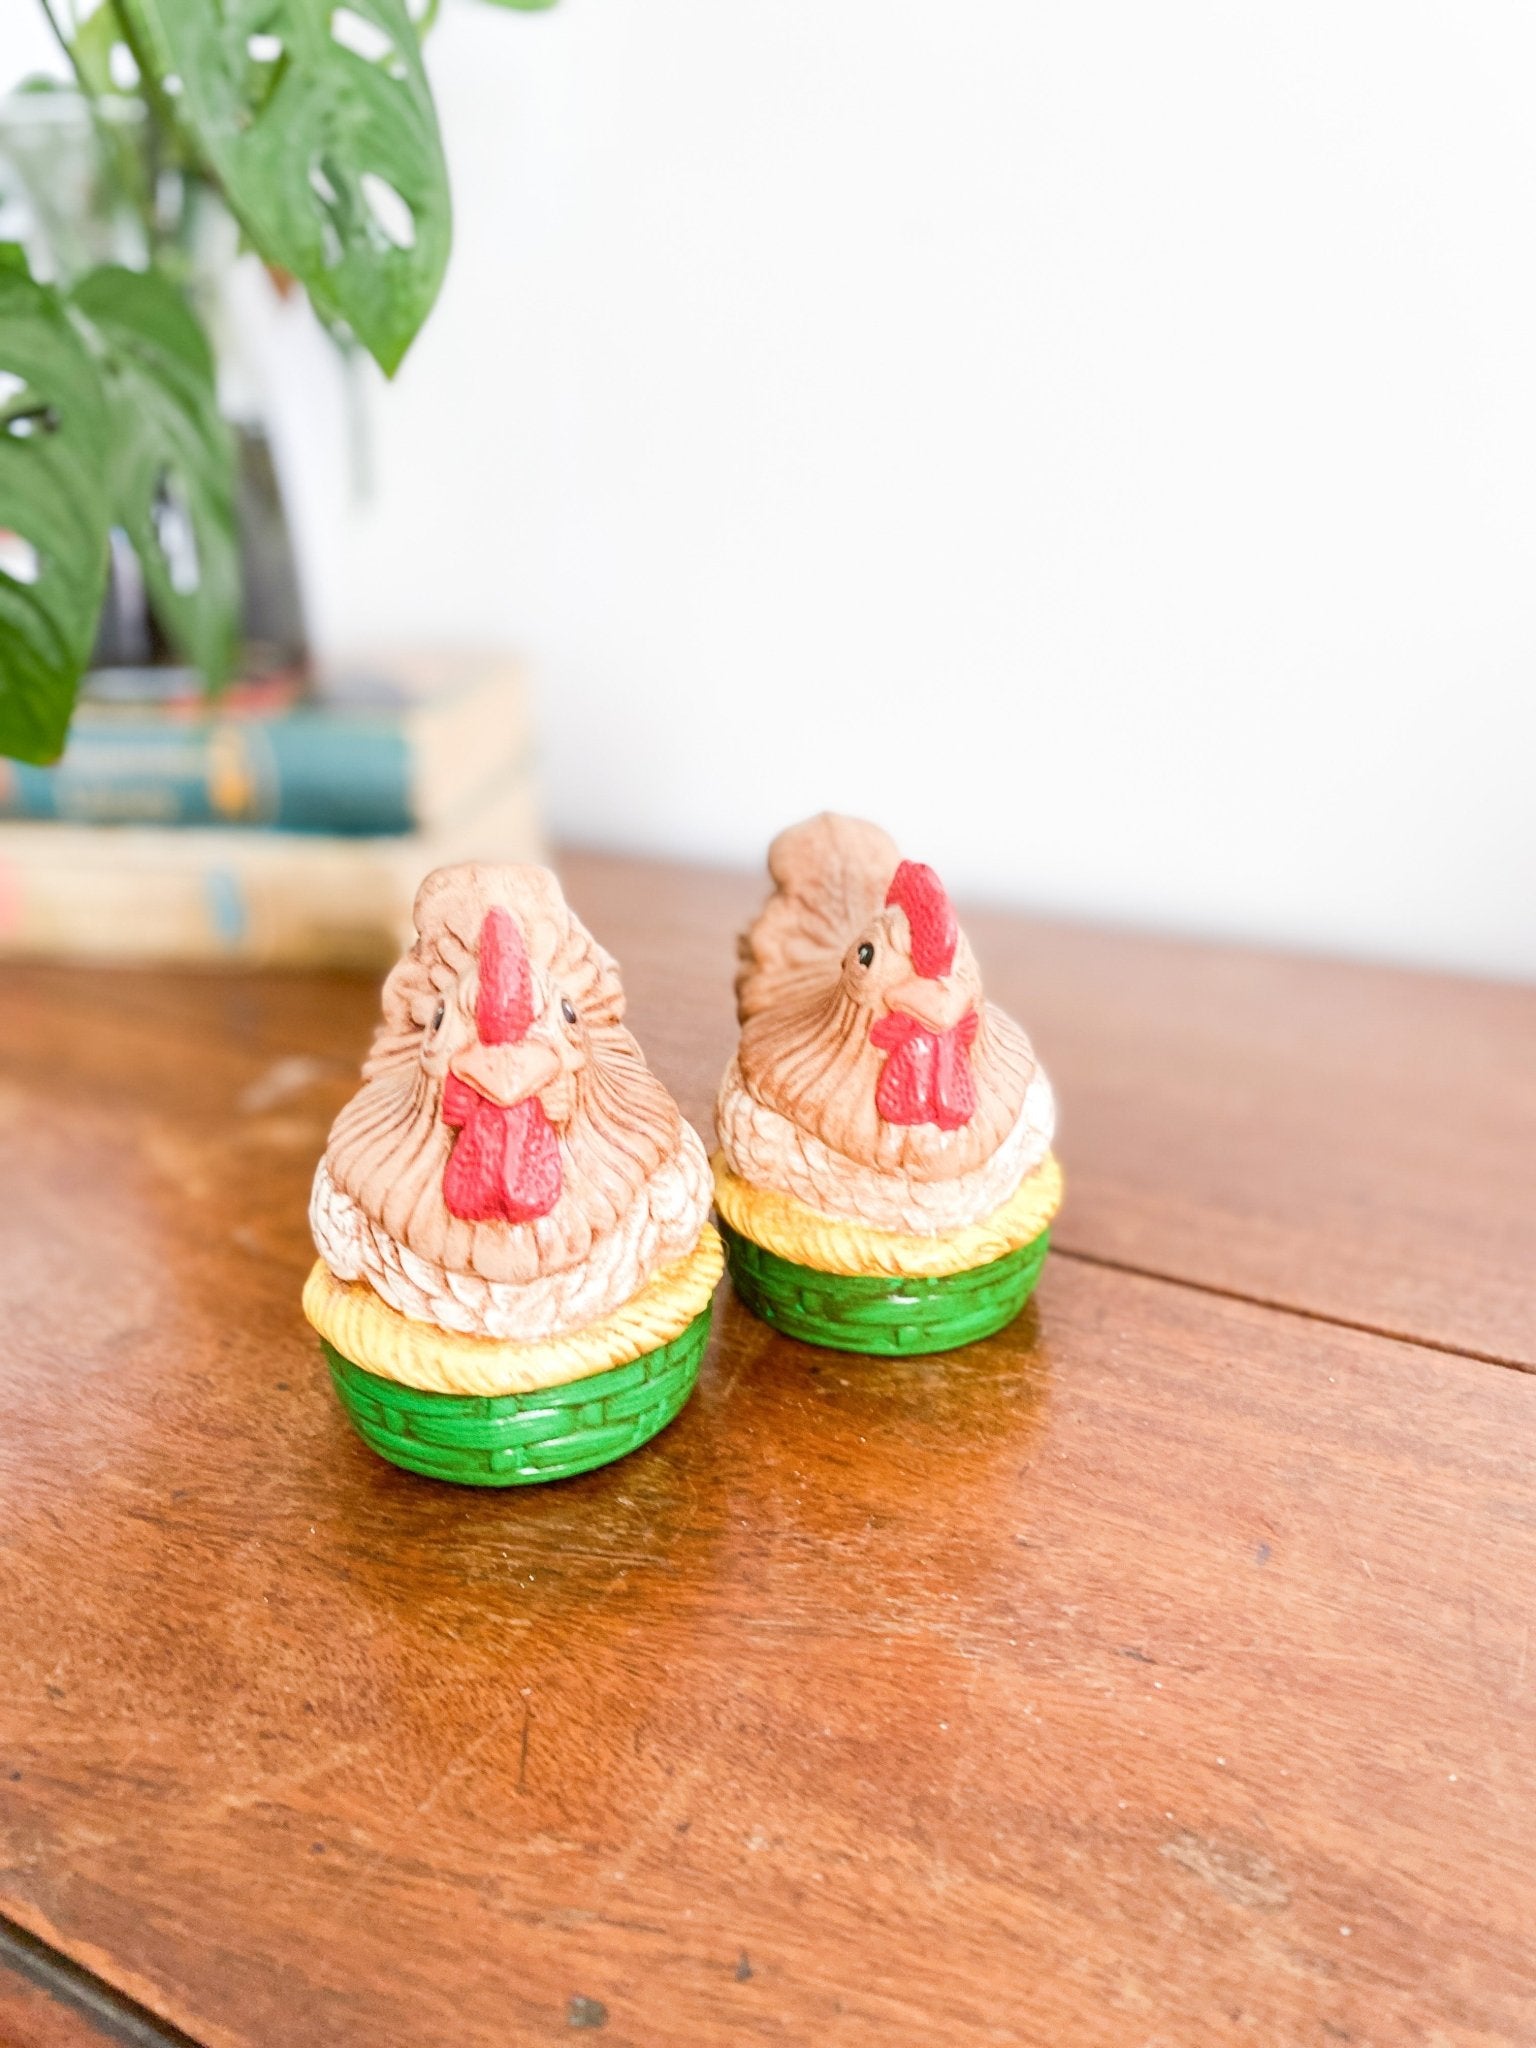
(1157, 1674)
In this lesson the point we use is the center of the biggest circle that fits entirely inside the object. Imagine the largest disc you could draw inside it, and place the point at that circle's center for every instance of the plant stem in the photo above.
(115, 150)
(59, 35)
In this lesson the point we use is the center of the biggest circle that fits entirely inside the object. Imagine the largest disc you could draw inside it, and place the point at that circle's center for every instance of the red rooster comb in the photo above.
(918, 891)
(504, 1010)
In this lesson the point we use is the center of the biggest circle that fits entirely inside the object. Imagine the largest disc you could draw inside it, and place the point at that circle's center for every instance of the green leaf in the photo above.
(526, 6)
(91, 49)
(53, 514)
(172, 467)
(319, 124)
(107, 75)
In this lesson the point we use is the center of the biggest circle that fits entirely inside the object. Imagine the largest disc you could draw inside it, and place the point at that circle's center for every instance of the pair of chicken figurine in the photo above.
(516, 1260)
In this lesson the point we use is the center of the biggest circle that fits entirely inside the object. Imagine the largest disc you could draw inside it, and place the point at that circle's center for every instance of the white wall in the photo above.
(1097, 439)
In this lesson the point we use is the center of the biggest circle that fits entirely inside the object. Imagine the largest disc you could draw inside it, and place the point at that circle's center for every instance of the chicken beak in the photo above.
(507, 1074)
(935, 1001)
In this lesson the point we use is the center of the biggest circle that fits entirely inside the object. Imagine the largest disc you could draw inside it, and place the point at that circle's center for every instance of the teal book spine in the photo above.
(308, 770)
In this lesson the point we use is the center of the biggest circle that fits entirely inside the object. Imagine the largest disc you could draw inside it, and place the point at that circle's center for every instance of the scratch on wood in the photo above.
(522, 1749)
(458, 1765)
(1232, 1867)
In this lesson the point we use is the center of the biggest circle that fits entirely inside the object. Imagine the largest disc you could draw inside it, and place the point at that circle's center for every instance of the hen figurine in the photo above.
(516, 1264)
(885, 1178)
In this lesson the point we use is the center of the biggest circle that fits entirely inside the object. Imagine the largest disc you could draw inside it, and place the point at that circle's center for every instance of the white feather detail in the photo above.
(765, 1148)
(662, 1225)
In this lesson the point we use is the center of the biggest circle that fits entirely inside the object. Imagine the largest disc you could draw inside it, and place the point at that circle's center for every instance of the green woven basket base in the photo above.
(889, 1318)
(522, 1439)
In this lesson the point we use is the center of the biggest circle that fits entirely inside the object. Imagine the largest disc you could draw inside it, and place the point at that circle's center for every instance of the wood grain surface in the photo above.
(48, 2001)
(1358, 1142)
(1156, 1674)
(30, 2018)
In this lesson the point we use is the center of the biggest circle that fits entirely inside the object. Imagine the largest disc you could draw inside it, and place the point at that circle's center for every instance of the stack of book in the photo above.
(282, 823)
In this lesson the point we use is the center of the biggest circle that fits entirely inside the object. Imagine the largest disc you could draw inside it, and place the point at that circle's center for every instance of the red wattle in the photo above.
(927, 1075)
(505, 1162)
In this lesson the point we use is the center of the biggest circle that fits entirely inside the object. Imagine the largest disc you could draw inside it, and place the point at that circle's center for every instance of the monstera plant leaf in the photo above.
(319, 125)
(53, 511)
(93, 47)
(171, 471)
(108, 416)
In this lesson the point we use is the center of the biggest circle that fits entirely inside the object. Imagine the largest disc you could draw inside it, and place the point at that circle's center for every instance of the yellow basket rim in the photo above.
(365, 1329)
(831, 1244)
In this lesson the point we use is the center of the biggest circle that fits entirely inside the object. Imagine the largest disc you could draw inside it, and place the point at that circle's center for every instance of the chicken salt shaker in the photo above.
(885, 1178)
(516, 1264)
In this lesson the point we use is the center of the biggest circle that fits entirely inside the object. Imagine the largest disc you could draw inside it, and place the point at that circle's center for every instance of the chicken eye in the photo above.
(568, 1009)
(866, 953)
(438, 1015)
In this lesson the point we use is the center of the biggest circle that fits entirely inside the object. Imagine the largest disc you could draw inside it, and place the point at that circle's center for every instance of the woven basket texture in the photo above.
(522, 1439)
(890, 1318)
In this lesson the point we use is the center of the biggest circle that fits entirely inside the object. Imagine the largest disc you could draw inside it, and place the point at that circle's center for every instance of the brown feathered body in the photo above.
(830, 969)
(632, 1179)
